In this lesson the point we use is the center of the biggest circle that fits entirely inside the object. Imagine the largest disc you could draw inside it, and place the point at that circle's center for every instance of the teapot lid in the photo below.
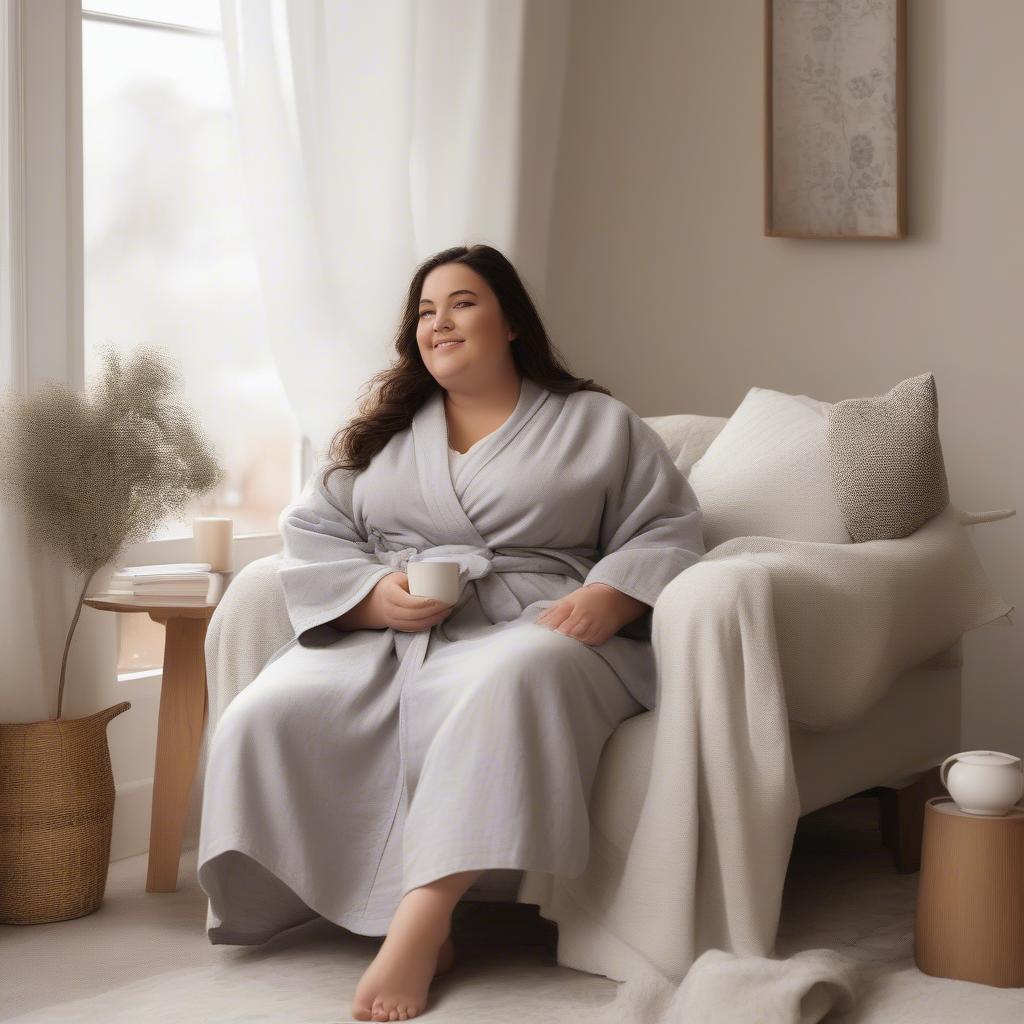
(987, 757)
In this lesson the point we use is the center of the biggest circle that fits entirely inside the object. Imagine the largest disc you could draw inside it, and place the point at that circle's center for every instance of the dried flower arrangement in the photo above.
(93, 472)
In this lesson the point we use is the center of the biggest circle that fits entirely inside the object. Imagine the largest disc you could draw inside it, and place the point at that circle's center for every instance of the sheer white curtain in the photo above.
(373, 135)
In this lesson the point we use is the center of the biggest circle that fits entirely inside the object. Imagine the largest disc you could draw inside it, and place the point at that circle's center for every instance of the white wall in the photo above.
(663, 287)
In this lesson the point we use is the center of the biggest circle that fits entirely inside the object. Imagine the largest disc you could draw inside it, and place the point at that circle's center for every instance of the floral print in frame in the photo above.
(835, 118)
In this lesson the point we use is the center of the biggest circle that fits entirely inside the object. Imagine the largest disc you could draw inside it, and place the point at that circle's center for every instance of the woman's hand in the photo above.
(390, 604)
(593, 613)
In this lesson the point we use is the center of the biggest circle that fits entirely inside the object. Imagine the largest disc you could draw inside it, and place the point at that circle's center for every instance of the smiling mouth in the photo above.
(451, 343)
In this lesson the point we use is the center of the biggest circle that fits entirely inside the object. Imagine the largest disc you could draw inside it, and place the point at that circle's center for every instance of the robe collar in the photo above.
(430, 432)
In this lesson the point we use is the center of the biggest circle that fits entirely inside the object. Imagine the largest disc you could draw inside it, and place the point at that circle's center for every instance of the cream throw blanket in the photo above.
(760, 632)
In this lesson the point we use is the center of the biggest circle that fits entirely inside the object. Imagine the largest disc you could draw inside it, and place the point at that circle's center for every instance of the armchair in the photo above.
(792, 674)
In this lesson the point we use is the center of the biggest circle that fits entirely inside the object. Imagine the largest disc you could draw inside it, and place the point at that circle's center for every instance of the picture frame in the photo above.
(835, 119)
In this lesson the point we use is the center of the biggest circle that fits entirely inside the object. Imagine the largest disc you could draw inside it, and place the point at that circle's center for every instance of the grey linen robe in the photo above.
(359, 765)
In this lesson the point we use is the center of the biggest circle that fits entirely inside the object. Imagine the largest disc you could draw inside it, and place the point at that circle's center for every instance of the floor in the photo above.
(146, 957)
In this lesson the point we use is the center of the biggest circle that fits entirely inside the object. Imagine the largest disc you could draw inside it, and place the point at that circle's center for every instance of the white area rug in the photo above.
(145, 956)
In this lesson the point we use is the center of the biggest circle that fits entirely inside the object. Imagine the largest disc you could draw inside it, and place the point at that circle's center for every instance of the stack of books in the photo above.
(175, 581)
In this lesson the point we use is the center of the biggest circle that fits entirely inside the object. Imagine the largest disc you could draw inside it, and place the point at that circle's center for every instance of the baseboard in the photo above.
(132, 803)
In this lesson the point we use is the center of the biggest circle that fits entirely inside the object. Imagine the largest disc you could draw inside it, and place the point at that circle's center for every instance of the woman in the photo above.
(398, 747)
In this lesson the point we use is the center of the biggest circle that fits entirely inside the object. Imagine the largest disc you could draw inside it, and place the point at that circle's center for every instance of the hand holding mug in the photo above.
(390, 604)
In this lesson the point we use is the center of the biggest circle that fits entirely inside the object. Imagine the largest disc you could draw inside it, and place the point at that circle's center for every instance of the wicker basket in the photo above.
(56, 814)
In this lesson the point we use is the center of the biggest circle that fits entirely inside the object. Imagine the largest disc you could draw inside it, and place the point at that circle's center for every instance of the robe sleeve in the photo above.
(327, 565)
(652, 524)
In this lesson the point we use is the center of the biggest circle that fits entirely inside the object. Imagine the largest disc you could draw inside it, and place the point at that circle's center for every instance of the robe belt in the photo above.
(476, 561)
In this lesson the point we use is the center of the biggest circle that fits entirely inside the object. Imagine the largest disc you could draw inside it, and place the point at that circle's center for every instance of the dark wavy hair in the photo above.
(395, 394)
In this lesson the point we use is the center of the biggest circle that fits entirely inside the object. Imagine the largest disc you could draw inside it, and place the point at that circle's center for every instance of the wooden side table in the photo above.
(970, 900)
(180, 728)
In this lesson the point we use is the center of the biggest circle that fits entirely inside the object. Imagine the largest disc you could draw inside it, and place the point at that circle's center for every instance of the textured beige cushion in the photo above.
(886, 462)
(766, 473)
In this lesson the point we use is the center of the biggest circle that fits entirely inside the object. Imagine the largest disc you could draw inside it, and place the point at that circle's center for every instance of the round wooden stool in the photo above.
(970, 896)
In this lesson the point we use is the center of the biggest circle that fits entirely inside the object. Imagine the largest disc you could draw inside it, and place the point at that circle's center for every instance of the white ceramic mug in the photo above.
(984, 782)
(435, 577)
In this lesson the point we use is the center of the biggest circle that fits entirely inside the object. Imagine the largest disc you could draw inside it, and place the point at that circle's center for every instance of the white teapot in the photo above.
(983, 781)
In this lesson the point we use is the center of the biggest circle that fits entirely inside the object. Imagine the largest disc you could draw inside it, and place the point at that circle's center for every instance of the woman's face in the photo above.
(457, 303)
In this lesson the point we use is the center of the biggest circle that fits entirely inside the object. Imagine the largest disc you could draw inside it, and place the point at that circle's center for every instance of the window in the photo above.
(168, 261)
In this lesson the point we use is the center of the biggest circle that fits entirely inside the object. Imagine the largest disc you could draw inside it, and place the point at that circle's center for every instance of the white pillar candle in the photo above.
(212, 542)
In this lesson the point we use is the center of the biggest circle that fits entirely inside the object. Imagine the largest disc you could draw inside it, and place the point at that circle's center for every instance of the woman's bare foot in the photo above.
(395, 985)
(417, 948)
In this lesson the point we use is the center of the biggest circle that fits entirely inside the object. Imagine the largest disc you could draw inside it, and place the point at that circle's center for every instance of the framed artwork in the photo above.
(835, 118)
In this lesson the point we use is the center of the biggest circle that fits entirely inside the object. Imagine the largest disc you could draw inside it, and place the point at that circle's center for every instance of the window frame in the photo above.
(164, 26)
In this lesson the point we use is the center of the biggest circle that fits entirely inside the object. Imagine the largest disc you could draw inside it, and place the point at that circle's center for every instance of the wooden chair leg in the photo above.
(902, 818)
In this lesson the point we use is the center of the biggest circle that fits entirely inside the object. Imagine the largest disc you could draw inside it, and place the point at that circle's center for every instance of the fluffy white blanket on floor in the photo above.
(761, 632)
(723, 988)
